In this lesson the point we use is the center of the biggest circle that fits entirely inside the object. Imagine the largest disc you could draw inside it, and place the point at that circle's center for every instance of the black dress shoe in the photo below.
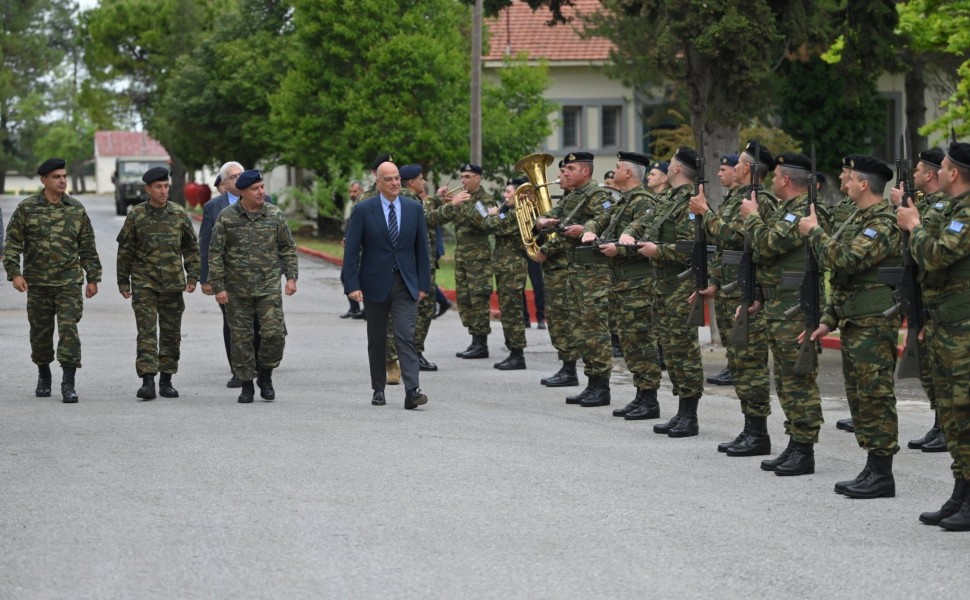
(845, 424)
(414, 398)
(359, 315)
(937, 444)
(378, 398)
(541, 325)
(722, 378)
(234, 382)
(424, 365)
(349, 313)
(443, 307)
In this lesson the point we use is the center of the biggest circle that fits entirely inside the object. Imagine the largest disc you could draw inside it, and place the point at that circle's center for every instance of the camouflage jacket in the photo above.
(430, 203)
(56, 241)
(249, 249)
(841, 212)
(936, 211)
(941, 247)
(157, 248)
(776, 242)
(471, 231)
(667, 223)
(576, 208)
(726, 229)
(508, 239)
(632, 205)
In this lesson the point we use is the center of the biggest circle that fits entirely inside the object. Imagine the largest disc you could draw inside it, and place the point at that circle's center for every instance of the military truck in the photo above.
(129, 188)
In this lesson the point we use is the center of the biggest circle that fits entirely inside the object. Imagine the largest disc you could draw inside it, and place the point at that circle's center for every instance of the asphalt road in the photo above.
(495, 489)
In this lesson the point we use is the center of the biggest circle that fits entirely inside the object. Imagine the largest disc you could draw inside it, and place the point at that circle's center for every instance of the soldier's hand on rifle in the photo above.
(627, 239)
(574, 231)
(648, 249)
(749, 206)
(91, 290)
(698, 203)
(755, 307)
(808, 222)
(588, 237)
(708, 292)
(609, 250)
(822, 331)
(907, 217)
(20, 284)
(896, 195)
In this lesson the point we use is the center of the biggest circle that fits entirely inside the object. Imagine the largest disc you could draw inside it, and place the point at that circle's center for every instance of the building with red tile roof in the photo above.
(111, 145)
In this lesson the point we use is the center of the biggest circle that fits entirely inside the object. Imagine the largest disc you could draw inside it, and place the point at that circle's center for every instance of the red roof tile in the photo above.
(126, 143)
(519, 29)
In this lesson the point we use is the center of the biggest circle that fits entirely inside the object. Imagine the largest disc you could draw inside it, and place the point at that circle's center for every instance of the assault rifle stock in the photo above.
(746, 270)
(698, 255)
(809, 293)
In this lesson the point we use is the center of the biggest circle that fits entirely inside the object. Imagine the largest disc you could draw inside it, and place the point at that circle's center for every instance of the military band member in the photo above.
(510, 272)
(723, 307)
(853, 255)
(669, 222)
(945, 257)
(251, 241)
(158, 260)
(53, 233)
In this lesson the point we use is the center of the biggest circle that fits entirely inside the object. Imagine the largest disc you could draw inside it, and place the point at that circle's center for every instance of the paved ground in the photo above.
(495, 489)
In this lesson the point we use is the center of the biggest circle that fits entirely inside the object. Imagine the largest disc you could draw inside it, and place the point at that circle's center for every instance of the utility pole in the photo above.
(476, 89)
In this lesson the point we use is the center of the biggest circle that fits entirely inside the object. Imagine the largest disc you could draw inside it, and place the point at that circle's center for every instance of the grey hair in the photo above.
(354, 182)
(877, 185)
(225, 168)
(799, 177)
(639, 171)
(686, 170)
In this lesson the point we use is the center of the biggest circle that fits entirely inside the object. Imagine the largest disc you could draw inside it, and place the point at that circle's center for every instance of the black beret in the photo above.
(218, 180)
(847, 160)
(380, 160)
(518, 181)
(687, 156)
(764, 155)
(871, 165)
(794, 160)
(248, 178)
(410, 172)
(561, 164)
(574, 157)
(959, 154)
(155, 174)
(730, 160)
(932, 157)
(51, 164)
(470, 168)
(661, 166)
(821, 178)
(634, 157)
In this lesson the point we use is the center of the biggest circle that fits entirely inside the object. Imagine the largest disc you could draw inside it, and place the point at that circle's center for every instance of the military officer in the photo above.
(945, 257)
(251, 241)
(53, 233)
(511, 269)
(158, 260)
(853, 255)
(723, 307)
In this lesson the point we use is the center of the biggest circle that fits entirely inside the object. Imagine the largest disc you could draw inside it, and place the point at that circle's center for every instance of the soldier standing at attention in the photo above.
(250, 242)
(511, 270)
(841, 213)
(53, 233)
(853, 255)
(945, 258)
(720, 273)
(158, 260)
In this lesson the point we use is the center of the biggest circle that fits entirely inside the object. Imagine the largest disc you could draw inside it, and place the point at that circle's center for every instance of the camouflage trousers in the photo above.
(268, 310)
(868, 365)
(45, 306)
(797, 393)
(682, 352)
(926, 373)
(949, 349)
(591, 286)
(158, 317)
(510, 273)
(473, 291)
(748, 364)
(422, 324)
(631, 305)
(560, 312)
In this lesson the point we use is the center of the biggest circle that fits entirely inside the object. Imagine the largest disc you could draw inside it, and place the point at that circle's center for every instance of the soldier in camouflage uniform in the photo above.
(251, 242)
(631, 297)
(157, 247)
(668, 223)
(778, 248)
(747, 364)
(944, 256)
(853, 255)
(511, 269)
(933, 206)
(54, 234)
(589, 274)
(723, 305)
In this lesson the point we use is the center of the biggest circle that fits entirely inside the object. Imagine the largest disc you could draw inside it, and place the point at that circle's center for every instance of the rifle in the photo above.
(809, 296)
(746, 272)
(698, 256)
(602, 242)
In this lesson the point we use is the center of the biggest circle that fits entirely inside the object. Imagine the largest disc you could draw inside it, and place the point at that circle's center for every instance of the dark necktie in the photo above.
(392, 224)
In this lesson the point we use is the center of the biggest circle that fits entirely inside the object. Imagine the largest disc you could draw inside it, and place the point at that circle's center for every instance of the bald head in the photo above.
(388, 180)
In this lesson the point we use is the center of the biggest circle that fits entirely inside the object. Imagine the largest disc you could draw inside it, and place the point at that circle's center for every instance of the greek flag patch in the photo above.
(869, 233)
(501, 216)
(938, 206)
(790, 218)
(607, 205)
(955, 226)
(481, 209)
(691, 216)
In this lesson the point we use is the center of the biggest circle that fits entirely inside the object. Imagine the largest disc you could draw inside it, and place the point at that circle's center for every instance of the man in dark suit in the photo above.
(387, 267)
(228, 174)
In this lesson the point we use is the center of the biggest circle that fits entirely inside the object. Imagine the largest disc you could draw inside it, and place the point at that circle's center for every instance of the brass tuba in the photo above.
(532, 199)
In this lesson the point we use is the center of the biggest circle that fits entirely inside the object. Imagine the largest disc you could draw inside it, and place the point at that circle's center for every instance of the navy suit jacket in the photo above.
(369, 257)
(210, 211)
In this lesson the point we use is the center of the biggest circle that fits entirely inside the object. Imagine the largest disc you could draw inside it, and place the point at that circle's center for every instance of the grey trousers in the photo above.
(403, 311)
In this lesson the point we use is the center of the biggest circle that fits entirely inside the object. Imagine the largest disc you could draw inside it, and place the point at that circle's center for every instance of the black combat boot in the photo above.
(723, 446)
(864, 473)
(959, 521)
(937, 444)
(147, 389)
(772, 464)
(68, 394)
(801, 461)
(931, 435)
(600, 395)
(576, 399)
(478, 349)
(564, 377)
(878, 484)
(648, 409)
(515, 361)
(248, 393)
(43, 381)
(687, 426)
(165, 388)
(756, 441)
(951, 506)
(664, 428)
(632, 406)
(265, 382)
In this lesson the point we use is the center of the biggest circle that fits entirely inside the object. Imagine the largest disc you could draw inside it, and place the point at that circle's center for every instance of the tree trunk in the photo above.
(915, 103)
(177, 193)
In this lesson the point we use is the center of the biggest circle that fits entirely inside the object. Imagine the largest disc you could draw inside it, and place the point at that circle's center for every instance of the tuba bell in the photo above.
(532, 199)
